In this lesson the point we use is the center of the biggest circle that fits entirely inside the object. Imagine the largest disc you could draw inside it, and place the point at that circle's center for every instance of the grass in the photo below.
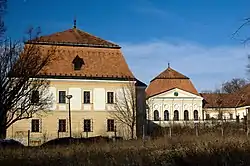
(207, 149)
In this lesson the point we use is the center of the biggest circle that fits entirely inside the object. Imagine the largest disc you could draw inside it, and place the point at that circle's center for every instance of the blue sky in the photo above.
(195, 36)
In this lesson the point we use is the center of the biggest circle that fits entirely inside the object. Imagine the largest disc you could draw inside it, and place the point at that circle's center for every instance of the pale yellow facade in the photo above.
(98, 111)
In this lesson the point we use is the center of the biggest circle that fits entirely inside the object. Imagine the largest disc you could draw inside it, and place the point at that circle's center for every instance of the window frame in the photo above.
(110, 100)
(88, 100)
(111, 125)
(176, 118)
(186, 115)
(89, 127)
(59, 97)
(166, 115)
(35, 94)
(196, 115)
(62, 124)
(35, 125)
(156, 118)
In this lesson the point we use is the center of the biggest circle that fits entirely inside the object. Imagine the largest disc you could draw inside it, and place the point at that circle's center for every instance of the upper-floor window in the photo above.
(86, 97)
(62, 125)
(35, 96)
(78, 62)
(62, 96)
(35, 125)
(110, 97)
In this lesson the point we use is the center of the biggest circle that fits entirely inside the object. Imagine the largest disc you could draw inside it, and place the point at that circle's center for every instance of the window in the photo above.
(62, 96)
(176, 115)
(111, 125)
(186, 117)
(86, 95)
(35, 126)
(156, 115)
(87, 125)
(207, 116)
(35, 96)
(78, 62)
(62, 125)
(110, 96)
(231, 116)
(166, 115)
(196, 117)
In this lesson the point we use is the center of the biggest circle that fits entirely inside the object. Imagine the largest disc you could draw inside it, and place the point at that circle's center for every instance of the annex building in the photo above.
(173, 99)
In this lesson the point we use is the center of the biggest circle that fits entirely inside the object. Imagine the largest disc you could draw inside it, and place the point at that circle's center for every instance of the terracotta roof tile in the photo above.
(98, 62)
(170, 79)
(74, 37)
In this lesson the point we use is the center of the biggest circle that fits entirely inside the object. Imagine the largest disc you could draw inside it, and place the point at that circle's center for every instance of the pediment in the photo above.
(177, 93)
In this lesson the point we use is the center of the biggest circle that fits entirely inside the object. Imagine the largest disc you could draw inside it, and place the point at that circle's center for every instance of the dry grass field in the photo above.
(206, 150)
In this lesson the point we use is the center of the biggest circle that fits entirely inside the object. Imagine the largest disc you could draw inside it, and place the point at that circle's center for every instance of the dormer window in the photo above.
(78, 62)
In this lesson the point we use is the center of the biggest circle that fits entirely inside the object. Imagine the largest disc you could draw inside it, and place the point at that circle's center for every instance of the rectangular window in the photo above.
(86, 95)
(207, 116)
(110, 96)
(87, 125)
(231, 116)
(62, 96)
(62, 125)
(110, 125)
(35, 96)
(35, 125)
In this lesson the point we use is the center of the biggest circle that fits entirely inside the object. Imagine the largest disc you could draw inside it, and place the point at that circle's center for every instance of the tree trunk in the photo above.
(3, 128)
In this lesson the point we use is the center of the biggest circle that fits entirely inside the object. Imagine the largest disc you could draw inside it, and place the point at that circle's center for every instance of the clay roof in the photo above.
(74, 36)
(170, 79)
(97, 63)
(227, 100)
(99, 59)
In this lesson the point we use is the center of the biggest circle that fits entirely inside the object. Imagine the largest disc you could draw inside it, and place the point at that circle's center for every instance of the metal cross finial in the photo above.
(168, 65)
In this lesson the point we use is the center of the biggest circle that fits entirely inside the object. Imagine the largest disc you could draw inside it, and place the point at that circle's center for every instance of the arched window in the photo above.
(166, 115)
(176, 115)
(196, 115)
(156, 115)
(186, 117)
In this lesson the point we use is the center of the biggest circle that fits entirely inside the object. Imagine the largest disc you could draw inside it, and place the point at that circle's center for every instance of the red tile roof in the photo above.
(74, 36)
(101, 59)
(170, 79)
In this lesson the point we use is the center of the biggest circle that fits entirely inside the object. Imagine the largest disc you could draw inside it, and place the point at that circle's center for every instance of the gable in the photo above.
(176, 93)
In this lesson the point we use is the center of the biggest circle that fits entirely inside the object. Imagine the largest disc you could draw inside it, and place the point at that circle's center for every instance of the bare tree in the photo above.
(233, 85)
(22, 92)
(125, 107)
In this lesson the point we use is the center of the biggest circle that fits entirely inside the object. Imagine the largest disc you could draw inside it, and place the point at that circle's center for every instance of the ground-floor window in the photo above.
(196, 117)
(156, 115)
(176, 115)
(62, 125)
(87, 125)
(186, 117)
(35, 125)
(110, 125)
(166, 115)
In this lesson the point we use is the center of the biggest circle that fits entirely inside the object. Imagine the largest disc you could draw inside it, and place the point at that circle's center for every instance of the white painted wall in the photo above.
(52, 91)
(99, 98)
(76, 100)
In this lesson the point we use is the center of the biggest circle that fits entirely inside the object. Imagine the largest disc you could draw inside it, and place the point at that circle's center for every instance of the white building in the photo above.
(172, 98)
